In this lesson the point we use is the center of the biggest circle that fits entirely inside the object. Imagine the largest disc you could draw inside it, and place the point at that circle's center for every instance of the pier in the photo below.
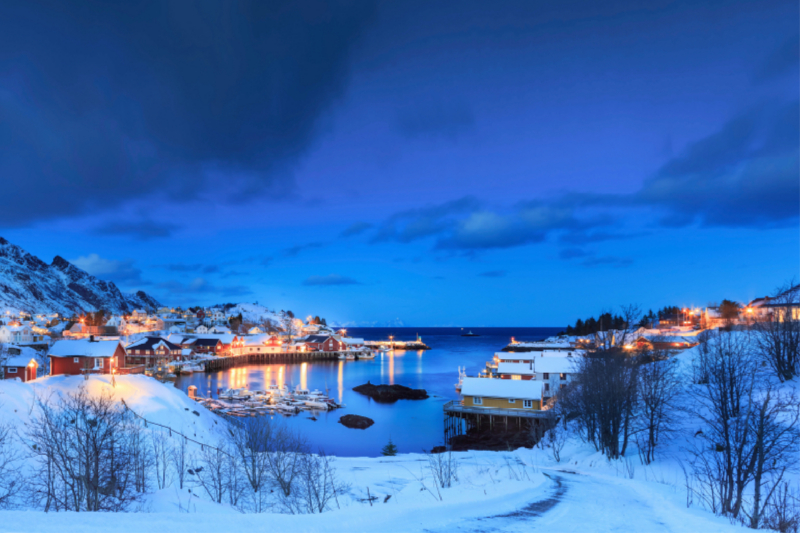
(398, 345)
(230, 361)
(462, 420)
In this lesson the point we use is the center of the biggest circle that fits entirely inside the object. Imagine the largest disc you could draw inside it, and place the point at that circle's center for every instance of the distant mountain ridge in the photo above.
(29, 284)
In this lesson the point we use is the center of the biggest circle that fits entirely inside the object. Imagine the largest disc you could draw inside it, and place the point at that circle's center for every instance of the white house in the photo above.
(16, 334)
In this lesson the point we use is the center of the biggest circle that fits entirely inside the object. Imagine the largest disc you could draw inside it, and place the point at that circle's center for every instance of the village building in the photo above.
(324, 343)
(76, 357)
(501, 394)
(151, 351)
(22, 367)
(206, 346)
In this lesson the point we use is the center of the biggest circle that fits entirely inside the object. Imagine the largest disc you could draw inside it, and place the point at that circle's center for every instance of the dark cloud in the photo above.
(445, 119)
(144, 230)
(784, 60)
(292, 251)
(465, 224)
(356, 228)
(408, 226)
(119, 271)
(494, 274)
(330, 279)
(110, 101)
(744, 175)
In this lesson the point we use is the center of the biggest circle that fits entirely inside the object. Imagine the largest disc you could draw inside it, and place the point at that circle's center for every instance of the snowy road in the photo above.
(578, 502)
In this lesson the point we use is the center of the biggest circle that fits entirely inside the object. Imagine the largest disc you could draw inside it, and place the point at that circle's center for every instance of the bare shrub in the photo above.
(11, 482)
(777, 335)
(83, 448)
(444, 468)
(316, 487)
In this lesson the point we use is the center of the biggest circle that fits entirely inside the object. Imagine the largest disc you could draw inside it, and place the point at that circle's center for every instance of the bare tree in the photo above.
(317, 485)
(11, 481)
(250, 438)
(751, 433)
(83, 446)
(603, 398)
(777, 335)
(161, 452)
(180, 460)
(658, 391)
(285, 450)
(211, 471)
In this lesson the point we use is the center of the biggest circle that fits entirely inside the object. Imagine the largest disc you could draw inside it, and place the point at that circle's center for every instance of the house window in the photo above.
(477, 400)
(563, 376)
(546, 375)
(12, 370)
(516, 377)
(98, 363)
(75, 360)
(527, 404)
(547, 387)
(512, 400)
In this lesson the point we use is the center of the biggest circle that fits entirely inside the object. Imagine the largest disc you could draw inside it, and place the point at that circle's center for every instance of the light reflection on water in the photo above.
(412, 425)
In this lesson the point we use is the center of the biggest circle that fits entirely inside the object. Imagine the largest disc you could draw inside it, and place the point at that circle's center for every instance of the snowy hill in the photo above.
(29, 284)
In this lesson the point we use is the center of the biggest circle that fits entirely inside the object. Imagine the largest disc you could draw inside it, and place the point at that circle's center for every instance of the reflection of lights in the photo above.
(304, 376)
(391, 370)
(340, 380)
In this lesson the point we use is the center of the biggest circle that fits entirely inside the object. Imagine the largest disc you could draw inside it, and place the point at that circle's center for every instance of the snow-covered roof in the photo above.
(84, 348)
(351, 340)
(502, 388)
(19, 360)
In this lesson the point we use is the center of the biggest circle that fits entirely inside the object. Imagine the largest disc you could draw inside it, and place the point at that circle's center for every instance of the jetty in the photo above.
(398, 345)
(460, 419)
(223, 362)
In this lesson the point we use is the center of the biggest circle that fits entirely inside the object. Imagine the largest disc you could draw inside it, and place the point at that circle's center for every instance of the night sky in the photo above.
(445, 163)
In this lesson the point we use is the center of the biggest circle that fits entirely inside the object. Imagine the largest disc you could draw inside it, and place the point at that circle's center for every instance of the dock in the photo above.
(229, 361)
(398, 345)
(460, 419)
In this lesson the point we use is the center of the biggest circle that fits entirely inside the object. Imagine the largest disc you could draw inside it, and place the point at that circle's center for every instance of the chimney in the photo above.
(91, 338)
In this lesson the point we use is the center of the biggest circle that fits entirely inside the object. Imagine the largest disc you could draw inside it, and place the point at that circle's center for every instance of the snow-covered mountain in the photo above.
(29, 284)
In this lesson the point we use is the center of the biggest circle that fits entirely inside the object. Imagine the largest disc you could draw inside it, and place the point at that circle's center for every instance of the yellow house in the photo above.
(502, 393)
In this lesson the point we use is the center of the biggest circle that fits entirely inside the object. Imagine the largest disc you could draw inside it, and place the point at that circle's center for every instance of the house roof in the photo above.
(502, 388)
(20, 360)
(204, 342)
(84, 348)
(151, 343)
(318, 338)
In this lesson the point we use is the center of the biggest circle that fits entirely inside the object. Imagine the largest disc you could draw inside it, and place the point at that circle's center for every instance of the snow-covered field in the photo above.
(521, 490)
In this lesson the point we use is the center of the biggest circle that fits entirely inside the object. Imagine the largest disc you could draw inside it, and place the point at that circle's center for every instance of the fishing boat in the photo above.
(470, 334)
(347, 356)
(367, 355)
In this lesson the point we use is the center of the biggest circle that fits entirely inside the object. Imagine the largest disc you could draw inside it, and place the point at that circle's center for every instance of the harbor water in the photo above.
(413, 425)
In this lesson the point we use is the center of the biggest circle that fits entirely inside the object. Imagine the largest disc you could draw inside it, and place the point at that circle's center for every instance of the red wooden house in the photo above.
(20, 366)
(76, 357)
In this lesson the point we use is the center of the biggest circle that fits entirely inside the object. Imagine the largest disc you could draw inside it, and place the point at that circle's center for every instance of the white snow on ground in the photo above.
(522, 490)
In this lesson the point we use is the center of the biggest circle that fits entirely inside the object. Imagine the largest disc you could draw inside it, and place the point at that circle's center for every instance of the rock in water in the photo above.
(390, 393)
(356, 421)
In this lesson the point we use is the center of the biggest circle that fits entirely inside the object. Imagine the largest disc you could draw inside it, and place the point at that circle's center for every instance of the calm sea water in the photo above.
(413, 425)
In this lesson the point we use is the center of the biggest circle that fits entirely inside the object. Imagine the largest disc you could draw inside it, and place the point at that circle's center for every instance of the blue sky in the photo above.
(514, 164)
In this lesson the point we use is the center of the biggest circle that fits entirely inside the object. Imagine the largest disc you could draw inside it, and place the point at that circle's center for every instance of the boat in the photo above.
(470, 334)
(385, 348)
(368, 355)
(317, 404)
(348, 356)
